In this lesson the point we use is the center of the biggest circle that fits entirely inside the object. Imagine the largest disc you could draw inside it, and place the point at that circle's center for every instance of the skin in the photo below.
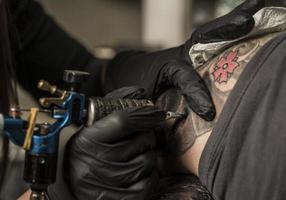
(185, 140)
(25, 196)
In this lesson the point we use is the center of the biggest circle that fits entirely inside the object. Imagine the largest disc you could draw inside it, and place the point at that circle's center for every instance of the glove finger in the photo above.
(117, 174)
(122, 124)
(227, 27)
(131, 92)
(189, 82)
(123, 150)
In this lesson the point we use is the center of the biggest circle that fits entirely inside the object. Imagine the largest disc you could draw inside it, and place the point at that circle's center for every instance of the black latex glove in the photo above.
(233, 25)
(114, 159)
(157, 71)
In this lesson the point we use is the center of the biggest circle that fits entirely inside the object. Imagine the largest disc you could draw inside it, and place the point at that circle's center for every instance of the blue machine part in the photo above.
(49, 143)
(14, 128)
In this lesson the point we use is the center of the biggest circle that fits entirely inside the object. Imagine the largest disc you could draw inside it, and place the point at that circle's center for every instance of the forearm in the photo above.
(25, 196)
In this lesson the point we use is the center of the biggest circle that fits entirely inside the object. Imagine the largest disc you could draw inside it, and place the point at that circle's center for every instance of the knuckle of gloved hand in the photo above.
(115, 119)
(107, 130)
(137, 93)
(194, 86)
(77, 144)
(175, 66)
(182, 74)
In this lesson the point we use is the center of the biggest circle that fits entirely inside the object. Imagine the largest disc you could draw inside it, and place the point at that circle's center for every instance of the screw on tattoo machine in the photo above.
(41, 140)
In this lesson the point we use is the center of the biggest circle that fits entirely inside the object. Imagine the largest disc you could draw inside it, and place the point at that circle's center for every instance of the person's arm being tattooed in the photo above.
(187, 138)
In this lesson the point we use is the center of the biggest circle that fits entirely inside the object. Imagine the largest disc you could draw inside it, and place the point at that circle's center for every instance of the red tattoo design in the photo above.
(225, 67)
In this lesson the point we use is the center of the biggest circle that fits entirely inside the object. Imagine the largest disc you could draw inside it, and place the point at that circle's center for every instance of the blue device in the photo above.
(41, 140)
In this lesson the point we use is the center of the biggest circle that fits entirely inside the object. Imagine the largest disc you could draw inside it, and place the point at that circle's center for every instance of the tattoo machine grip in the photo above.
(101, 107)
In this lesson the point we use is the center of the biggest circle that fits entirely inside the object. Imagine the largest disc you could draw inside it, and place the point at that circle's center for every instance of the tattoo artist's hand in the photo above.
(157, 71)
(114, 159)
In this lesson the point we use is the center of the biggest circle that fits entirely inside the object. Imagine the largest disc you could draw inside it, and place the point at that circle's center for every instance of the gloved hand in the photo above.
(160, 70)
(114, 159)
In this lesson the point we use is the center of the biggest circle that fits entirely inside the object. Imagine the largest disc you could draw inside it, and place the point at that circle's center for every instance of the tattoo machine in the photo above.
(41, 140)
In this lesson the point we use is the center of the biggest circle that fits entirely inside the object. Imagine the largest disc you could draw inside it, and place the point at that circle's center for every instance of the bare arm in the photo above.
(25, 196)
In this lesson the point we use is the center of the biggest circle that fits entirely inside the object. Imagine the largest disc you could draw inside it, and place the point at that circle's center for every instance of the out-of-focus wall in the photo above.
(162, 23)
(166, 23)
(98, 22)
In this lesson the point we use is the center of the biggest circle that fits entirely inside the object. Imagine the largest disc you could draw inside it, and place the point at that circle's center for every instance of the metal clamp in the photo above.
(32, 123)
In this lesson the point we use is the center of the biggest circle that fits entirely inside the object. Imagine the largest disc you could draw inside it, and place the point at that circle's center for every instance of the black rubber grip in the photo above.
(101, 107)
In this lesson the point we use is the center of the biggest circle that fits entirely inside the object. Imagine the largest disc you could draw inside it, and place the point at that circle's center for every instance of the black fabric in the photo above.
(44, 50)
(245, 155)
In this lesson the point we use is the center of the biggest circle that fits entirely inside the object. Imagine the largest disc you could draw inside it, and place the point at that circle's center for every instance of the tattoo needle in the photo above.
(171, 115)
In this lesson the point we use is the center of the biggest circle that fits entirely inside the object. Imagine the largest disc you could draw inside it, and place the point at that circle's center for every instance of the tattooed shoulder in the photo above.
(222, 73)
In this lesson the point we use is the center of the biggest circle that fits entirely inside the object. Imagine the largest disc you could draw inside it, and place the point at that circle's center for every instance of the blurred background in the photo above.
(134, 23)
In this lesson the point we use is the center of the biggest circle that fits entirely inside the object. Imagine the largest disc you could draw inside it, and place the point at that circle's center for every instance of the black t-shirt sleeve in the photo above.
(245, 157)
(44, 50)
